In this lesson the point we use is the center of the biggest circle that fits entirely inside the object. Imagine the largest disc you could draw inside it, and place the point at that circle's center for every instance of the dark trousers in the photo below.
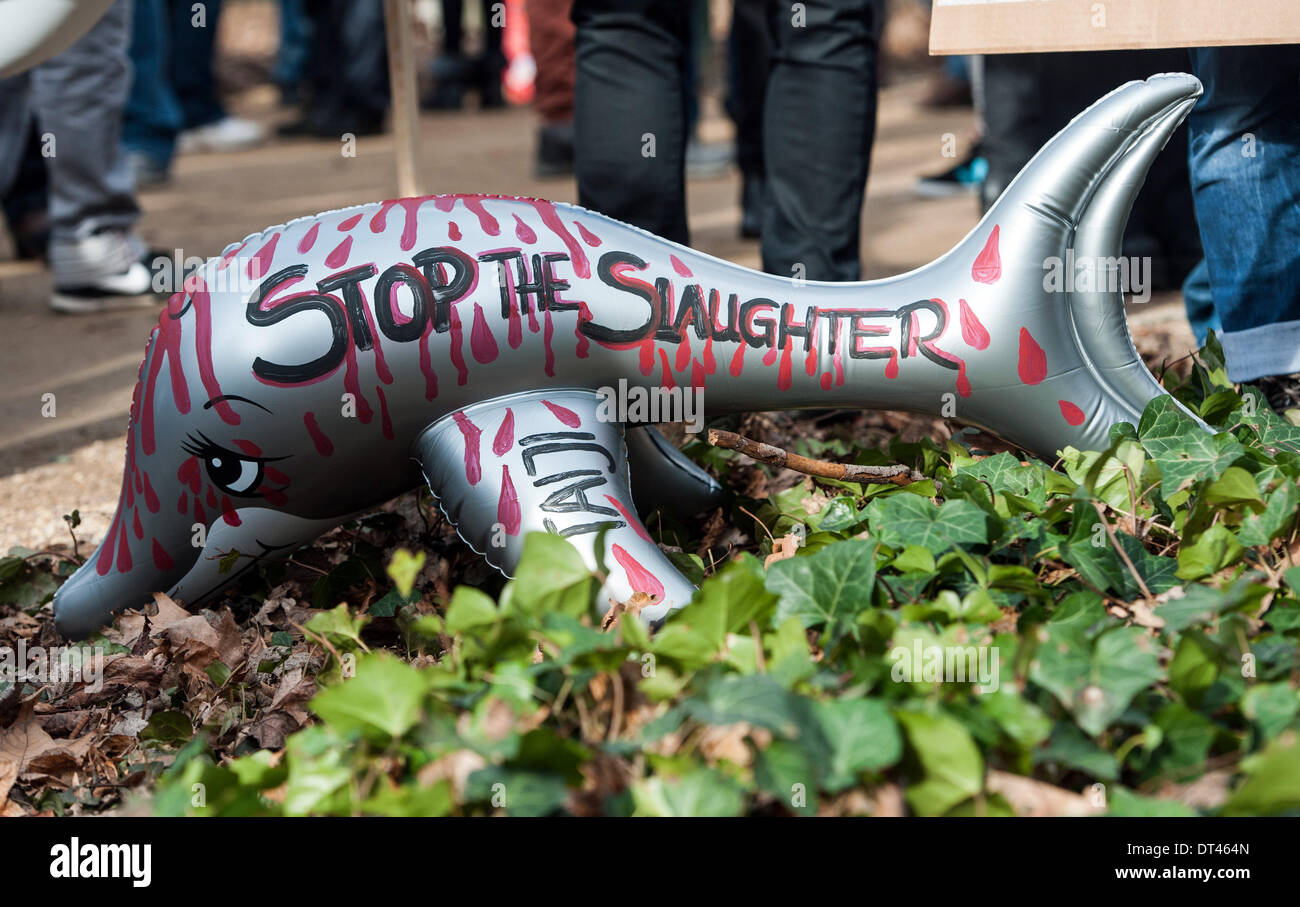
(631, 110)
(349, 63)
(818, 126)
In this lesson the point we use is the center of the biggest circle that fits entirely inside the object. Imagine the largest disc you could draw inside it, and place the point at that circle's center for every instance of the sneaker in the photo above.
(104, 271)
(226, 134)
(963, 179)
(706, 161)
(1281, 391)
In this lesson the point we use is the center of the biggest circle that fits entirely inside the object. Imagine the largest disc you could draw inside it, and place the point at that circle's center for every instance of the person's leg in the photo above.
(550, 32)
(749, 52)
(15, 121)
(364, 63)
(630, 112)
(818, 127)
(193, 40)
(79, 97)
(153, 115)
(1245, 166)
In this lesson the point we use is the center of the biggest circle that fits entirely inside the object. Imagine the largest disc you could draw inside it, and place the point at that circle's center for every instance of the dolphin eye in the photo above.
(233, 474)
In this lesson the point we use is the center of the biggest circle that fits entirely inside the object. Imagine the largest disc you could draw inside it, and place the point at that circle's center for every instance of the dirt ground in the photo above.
(51, 464)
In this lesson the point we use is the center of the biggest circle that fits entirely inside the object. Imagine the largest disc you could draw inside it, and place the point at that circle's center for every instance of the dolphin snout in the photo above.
(88, 600)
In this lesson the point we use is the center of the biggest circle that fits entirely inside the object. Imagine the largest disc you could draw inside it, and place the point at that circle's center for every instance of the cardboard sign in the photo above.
(1026, 26)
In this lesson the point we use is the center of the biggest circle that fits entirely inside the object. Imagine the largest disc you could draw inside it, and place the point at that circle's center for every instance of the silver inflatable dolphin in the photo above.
(488, 345)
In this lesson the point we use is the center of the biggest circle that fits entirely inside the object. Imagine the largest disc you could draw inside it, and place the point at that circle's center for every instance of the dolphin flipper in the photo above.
(665, 477)
(542, 461)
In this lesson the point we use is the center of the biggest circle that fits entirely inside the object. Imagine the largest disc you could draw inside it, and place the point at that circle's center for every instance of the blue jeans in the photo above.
(173, 88)
(1245, 169)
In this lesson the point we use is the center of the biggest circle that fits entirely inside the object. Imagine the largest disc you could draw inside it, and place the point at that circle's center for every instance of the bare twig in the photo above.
(847, 472)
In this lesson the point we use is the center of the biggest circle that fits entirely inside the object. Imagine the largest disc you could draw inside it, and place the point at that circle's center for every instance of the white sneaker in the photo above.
(228, 134)
(101, 272)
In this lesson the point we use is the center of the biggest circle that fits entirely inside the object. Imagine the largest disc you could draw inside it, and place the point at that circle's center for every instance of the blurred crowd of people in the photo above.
(616, 84)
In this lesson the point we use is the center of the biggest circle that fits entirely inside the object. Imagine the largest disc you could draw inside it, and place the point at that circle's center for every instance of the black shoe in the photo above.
(1281, 391)
(333, 127)
(751, 206)
(488, 71)
(450, 72)
(554, 150)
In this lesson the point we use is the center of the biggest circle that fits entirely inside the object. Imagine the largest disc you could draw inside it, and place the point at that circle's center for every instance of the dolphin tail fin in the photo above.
(1070, 204)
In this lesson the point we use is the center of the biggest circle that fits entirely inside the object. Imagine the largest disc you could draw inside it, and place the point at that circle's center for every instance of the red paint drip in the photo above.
(260, 264)
(972, 331)
(426, 363)
(783, 374)
(324, 446)
(667, 380)
(505, 437)
(891, 367)
(212, 498)
(385, 419)
(567, 416)
(548, 334)
(410, 210)
(123, 552)
(638, 577)
(309, 239)
(770, 356)
(481, 342)
(825, 381)
(1072, 413)
(988, 265)
(1033, 360)
(588, 237)
(582, 350)
(458, 347)
(188, 473)
(630, 517)
(963, 383)
(577, 257)
(228, 512)
(339, 257)
(150, 496)
(230, 256)
(183, 505)
(346, 225)
(472, 434)
(453, 231)
(508, 513)
(161, 559)
(524, 232)
(135, 524)
(680, 267)
(738, 360)
(104, 563)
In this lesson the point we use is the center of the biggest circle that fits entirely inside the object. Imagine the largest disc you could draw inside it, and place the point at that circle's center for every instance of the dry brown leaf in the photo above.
(617, 609)
(782, 549)
(168, 613)
(1029, 797)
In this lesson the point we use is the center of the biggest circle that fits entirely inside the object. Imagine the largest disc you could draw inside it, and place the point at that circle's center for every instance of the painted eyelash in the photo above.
(204, 447)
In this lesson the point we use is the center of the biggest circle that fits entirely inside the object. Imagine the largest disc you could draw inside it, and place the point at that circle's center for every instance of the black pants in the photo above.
(1031, 97)
(631, 112)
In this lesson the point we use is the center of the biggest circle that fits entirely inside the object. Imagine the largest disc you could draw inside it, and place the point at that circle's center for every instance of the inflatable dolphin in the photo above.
(497, 348)
(35, 30)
